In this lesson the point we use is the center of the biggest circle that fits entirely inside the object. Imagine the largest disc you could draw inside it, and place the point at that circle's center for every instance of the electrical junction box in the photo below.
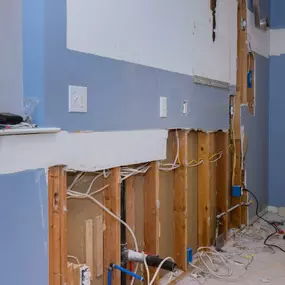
(236, 191)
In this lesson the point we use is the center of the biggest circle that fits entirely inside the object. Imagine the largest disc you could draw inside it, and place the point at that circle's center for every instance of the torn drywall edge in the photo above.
(201, 130)
(81, 151)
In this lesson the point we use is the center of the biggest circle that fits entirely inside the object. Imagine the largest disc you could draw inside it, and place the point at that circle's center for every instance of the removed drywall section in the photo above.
(256, 130)
(79, 212)
(24, 228)
(11, 81)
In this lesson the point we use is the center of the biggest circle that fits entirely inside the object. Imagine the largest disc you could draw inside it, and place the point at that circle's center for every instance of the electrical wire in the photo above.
(74, 257)
(167, 167)
(127, 172)
(270, 223)
(194, 162)
(212, 261)
(215, 157)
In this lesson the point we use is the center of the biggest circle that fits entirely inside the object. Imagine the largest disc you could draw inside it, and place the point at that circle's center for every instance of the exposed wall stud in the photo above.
(89, 258)
(180, 202)
(204, 210)
(151, 210)
(130, 209)
(112, 233)
(222, 143)
(57, 225)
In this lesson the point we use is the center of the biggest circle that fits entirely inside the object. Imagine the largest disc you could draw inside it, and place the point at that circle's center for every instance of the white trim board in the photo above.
(81, 151)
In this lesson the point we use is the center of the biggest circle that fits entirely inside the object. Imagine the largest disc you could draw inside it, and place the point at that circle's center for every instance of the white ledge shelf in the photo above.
(28, 131)
(82, 151)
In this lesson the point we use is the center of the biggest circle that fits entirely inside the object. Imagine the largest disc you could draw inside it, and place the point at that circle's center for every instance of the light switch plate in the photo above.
(77, 99)
(163, 107)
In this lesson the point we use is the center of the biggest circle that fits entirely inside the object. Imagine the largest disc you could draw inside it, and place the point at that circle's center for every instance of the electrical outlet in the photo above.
(85, 275)
(163, 107)
(185, 107)
(77, 99)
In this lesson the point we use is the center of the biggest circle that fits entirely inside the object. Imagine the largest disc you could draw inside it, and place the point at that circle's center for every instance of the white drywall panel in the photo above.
(11, 80)
(216, 60)
(154, 33)
(166, 34)
(258, 40)
(277, 42)
(81, 151)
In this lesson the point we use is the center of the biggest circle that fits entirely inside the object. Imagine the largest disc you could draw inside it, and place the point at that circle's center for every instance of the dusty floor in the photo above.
(267, 266)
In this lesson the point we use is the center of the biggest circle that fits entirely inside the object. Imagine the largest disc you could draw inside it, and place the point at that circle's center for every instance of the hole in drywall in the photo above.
(213, 8)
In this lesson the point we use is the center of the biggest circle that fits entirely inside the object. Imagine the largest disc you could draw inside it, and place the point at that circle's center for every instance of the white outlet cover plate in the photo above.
(77, 99)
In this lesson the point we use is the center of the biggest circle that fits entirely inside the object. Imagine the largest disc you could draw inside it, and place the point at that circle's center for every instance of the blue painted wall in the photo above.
(24, 228)
(121, 95)
(11, 81)
(276, 104)
(277, 14)
(277, 131)
(256, 130)
(264, 7)
(33, 54)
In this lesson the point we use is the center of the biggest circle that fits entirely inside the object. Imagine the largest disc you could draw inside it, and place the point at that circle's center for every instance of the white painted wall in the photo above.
(11, 80)
(174, 35)
(81, 151)
(277, 42)
(258, 40)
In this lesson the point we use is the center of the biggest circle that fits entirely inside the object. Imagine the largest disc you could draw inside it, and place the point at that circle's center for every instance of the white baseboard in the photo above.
(272, 209)
(277, 210)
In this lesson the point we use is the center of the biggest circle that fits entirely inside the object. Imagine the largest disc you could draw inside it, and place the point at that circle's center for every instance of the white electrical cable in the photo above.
(74, 257)
(167, 167)
(208, 259)
(127, 172)
(219, 156)
(197, 163)
(158, 269)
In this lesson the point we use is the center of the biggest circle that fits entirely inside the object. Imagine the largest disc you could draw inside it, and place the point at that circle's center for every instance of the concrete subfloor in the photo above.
(267, 266)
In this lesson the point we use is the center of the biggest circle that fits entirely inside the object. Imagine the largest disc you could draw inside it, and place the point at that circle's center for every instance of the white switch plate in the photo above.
(163, 107)
(77, 99)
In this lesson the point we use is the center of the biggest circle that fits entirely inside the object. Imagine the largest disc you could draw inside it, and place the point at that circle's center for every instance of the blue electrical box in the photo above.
(189, 255)
(249, 79)
(236, 191)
